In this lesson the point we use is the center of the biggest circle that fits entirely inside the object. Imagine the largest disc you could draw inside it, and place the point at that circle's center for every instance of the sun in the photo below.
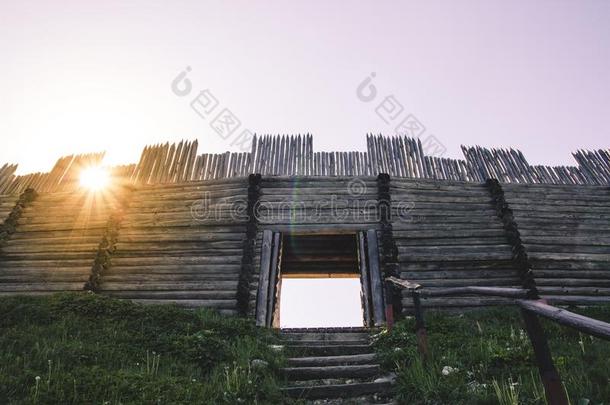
(95, 178)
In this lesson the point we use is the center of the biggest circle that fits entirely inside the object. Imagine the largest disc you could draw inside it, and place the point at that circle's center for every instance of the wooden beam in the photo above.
(581, 323)
(273, 276)
(375, 274)
(263, 279)
(364, 279)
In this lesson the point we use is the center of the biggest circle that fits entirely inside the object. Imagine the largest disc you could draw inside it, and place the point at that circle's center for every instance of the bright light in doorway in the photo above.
(95, 178)
(320, 302)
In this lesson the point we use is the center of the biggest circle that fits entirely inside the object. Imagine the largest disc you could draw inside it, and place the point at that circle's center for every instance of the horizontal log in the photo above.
(188, 195)
(449, 275)
(159, 268)
(572, 282)
(179, 245)
(178, 285)
(497, 233)
(43, 271)
(567, 248)
(448, 302)
(577, 265)
(28, 257)
(172, 295)
(422, 184)
(186, 231)
(576, 299)
(558, 208)
(569, 239)
(555, 203)
(319, 191)
(63, 233)
(179, 236)
(502, 251)
(585, 216)
(422, 224)
(570, 256)
(44, 277)
(224, 219)
(108, 277)
(572, 273)
(571, 290)
(48, 248)
(223, 182)
(176, 261)
(151, 253)
(41, 286)
(190, 303)
(435, 265)
(89, 227)
(471, 290)
(470, 281)
(54, 241)
(581, 323)
(443, 206)
(322, 229)
(441, 198)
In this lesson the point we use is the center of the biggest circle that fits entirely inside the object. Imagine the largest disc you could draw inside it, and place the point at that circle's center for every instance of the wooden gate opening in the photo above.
(319, 280)
(315, 280)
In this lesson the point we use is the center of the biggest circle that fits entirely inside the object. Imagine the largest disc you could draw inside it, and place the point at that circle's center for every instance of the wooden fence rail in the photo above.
(554, 389)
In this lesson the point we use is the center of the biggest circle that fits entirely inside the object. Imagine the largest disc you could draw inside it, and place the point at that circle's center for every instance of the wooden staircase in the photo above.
(334, 366)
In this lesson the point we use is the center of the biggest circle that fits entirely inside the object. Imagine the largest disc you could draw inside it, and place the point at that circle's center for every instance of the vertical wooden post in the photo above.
(553, 387)
(263, 278)
(375, 274)
(274, 273)
(389, 257)
(365, 279)
(420, 326)
(389, 310)
(248, 247)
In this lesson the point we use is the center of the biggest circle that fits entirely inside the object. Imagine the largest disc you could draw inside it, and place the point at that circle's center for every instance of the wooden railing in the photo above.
(530, 310)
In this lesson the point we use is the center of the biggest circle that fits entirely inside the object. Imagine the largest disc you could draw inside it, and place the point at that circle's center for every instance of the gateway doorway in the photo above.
(311, 280)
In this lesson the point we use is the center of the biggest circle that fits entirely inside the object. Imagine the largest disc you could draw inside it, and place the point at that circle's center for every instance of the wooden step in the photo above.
(331, 360)
(326, 337)
(331, 350)
(318, 373)
(338, 390)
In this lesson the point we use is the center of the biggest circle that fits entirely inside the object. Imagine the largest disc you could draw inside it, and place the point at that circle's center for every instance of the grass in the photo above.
(84, 348)
(485, 357)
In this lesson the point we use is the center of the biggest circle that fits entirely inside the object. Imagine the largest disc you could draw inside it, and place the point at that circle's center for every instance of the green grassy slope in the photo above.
(488, 359)
(83, 348)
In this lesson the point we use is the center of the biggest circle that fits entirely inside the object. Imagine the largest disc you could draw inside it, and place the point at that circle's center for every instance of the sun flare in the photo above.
(94, 178)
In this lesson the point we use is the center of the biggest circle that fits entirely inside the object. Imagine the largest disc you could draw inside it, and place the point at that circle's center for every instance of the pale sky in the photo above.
(325, 302)
(80, 76)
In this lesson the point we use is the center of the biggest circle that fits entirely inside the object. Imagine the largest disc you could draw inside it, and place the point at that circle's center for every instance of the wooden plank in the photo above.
(273, 276)
(375, 274)
(365, 280)
(263, 280)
